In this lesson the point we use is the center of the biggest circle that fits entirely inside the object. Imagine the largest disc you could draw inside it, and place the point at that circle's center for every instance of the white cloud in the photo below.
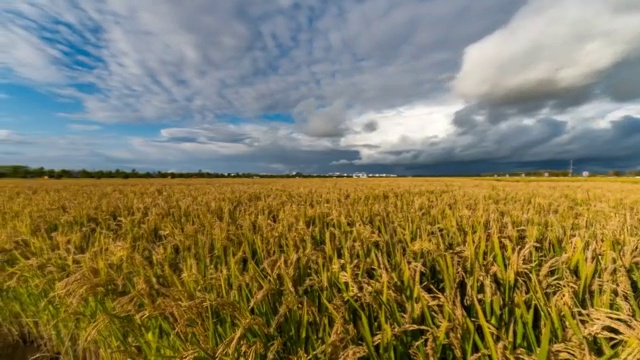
(402, 128)
(12, 138)
(27, 55)
(341, 162)
(84, 127)
(60, 151)
(549, 47)
(621, 111)
(209, 149)
(3, 96)
(224, 140)
(160, 60)
(6, 134)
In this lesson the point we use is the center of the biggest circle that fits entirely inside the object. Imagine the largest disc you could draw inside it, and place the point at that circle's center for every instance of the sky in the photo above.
(395, 86)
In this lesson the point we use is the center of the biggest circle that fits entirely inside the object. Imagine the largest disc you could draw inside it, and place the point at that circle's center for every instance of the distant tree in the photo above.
(85, 174)
(38, 172)
(64, 173)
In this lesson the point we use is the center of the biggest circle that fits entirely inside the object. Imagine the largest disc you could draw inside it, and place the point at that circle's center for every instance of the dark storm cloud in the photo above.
(545, 139)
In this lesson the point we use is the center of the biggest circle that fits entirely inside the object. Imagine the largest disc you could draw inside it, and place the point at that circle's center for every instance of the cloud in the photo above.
(27, 55)
(401, 128)
(84, 127)
(61, 151)
(152, 61)
(3, 96)
(600, 134)
(8, 137)
(341, 162)
(379, 85)
(6, 134)
(607, 140)
(323, 122)
(551, 47)
(264, 145)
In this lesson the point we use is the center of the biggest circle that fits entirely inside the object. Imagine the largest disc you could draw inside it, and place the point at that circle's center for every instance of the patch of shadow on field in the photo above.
(22, 348)
(19, 351)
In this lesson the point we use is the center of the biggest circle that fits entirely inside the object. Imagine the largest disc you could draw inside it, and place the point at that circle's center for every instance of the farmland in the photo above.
(321, 269)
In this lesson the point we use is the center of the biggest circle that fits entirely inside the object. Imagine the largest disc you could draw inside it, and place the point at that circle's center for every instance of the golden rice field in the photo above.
(320, 269)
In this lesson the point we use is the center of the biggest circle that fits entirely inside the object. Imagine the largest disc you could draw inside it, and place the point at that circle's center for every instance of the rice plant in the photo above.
(321, 269)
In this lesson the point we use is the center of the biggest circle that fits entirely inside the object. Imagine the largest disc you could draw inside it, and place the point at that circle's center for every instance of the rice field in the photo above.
(320, 269)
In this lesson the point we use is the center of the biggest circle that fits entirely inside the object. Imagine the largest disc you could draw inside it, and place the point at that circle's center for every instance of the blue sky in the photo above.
(405, 86)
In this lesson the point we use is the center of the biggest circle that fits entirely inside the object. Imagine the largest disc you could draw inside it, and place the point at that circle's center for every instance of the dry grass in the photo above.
(324, 269)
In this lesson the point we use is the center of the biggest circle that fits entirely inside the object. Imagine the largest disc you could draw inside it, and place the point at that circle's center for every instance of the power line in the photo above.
(571, 168)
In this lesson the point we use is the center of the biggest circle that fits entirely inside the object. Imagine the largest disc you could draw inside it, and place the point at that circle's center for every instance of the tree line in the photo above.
(25, 172)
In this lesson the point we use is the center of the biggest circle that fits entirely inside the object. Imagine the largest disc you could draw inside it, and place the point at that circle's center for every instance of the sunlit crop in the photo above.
(321, 269)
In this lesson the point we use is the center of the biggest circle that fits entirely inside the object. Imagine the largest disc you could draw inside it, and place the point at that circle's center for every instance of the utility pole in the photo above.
(571, 168)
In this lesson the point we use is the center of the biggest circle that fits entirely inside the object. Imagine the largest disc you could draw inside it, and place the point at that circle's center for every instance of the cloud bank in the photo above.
(549, 48)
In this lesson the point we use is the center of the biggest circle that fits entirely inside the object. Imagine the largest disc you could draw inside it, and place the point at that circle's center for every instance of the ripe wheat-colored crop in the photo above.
(321, 269)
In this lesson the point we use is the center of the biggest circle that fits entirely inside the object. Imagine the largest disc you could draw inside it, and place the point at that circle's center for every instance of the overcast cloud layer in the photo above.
(378, 85)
